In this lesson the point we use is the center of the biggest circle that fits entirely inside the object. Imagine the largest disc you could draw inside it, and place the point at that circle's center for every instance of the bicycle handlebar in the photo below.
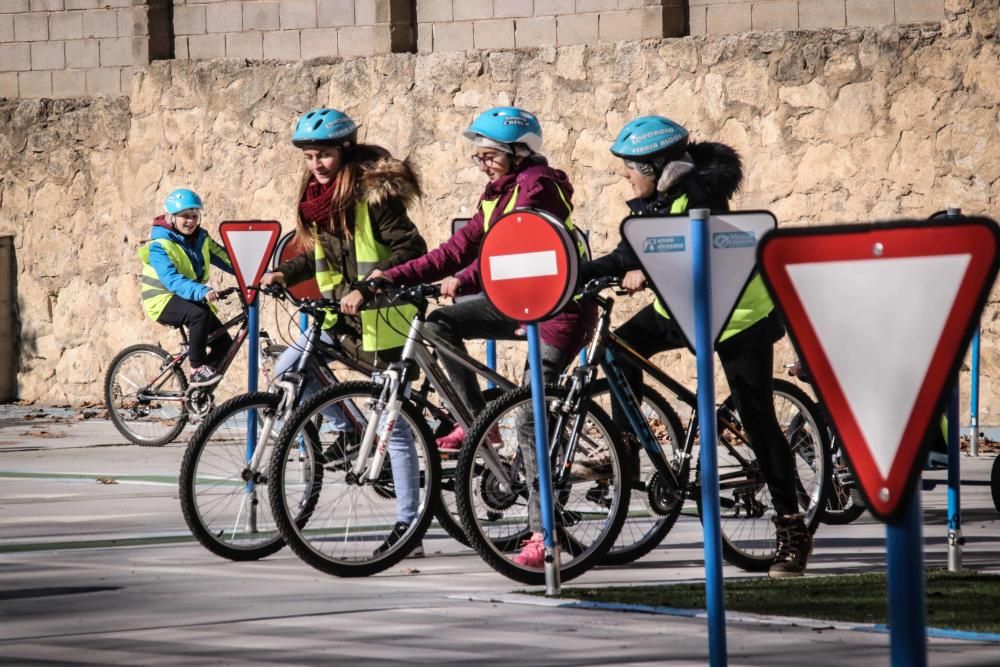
(597, 285)
(392, 292)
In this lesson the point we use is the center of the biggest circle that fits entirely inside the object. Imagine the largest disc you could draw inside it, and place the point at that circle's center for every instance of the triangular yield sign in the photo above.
(881, 316)
(250, 244)
(663, 246)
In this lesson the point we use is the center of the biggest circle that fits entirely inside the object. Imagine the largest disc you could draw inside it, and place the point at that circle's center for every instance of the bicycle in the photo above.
(221, 475)
(357, 494)
(146, 390)
(660, 480)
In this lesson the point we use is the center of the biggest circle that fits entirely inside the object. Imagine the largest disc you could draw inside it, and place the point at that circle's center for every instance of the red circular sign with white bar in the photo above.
(528, 265)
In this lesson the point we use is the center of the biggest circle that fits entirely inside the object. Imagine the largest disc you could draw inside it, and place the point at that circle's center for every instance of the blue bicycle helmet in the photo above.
(650, 138)
(324, 126)
(507, 125)
(182, 200)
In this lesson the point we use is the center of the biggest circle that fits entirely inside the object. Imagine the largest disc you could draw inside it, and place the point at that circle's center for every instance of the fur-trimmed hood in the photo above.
(716, 177)
(387, 178)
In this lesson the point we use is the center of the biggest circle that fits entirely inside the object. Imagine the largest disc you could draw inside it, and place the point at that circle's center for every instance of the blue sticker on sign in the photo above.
(723, 240)
(663, 244)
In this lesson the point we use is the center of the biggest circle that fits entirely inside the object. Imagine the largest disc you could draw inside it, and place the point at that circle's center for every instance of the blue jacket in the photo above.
(193, 247)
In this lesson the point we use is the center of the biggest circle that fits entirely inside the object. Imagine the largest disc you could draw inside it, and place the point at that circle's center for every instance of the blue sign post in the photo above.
(704, 351)
(552, 583)
(907, 616)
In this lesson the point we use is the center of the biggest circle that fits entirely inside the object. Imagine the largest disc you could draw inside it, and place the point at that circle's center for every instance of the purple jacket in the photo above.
(538, 186)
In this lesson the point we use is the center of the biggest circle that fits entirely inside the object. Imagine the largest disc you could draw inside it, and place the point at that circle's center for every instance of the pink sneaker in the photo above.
(532, 552)
(453, 441)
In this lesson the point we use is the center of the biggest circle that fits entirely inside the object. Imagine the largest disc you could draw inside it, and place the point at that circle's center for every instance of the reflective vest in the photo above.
(381, 328)
(488, 206)
(754, 305)
(155, 294)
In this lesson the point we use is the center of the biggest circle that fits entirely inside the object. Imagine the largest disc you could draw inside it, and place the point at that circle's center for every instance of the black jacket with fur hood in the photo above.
(716, 177)
(388, 185)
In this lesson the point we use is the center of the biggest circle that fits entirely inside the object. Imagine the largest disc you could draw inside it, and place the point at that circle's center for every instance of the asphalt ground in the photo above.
(98, 567)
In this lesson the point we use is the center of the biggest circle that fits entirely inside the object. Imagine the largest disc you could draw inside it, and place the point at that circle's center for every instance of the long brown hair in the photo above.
(347, 187)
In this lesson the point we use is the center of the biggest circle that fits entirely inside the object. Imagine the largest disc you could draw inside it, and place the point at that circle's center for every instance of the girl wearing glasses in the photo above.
(506, 142)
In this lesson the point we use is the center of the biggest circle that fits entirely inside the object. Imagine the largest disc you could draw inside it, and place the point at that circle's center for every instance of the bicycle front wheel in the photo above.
(145, 399)
(355, 526)
(224, 497)
(499, 511)
(655, 504)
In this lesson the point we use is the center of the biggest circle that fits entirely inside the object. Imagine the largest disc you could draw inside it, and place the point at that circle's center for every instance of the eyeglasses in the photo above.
(488, 160)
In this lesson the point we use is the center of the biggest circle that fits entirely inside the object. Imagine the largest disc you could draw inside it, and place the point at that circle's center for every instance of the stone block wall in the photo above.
(65, 48)
(290, 29)
(835, 126)
(458, 25)
(712, 17)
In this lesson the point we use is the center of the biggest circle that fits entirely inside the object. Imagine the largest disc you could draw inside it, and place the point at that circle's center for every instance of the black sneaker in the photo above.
(794, 546)
(342, 451)
(205, 376)
(397, 533)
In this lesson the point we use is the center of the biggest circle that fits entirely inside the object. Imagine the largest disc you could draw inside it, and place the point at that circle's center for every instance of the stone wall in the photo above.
(730, 16)
(291, 29)
(834, 126)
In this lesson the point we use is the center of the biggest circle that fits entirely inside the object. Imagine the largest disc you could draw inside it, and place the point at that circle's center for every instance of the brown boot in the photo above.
(794, 546)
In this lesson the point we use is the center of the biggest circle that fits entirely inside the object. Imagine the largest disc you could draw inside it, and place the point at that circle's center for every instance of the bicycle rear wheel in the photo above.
(492, 488)
(654, 506)
(223, 499)
(134, 380)
(749, 536)
(352, 527)
(843, 501)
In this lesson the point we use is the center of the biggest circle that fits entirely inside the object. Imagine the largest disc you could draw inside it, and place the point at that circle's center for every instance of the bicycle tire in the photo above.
(309, 534)
(124, 409)
(495, 517)
(447, 509)
(214, 491)
(646, 525)
(751, 546)
(843, 503)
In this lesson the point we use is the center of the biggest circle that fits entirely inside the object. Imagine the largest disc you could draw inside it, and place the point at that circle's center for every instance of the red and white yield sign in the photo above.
(528, 265)
(881, 316)
(249, 244)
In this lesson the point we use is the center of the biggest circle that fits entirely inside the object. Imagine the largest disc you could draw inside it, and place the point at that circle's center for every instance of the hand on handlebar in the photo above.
(351, 303)
(212, 296)
(450, 287)
(272, 277)
(634, 281)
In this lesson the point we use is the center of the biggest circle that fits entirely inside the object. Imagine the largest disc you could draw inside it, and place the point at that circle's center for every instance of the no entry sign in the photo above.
(250, 244)
(881, 315)
(528, 265)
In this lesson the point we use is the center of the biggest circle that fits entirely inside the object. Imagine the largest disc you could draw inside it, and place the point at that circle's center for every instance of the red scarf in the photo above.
(316, 202)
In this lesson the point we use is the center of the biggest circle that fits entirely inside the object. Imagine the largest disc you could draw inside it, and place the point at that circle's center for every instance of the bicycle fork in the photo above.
(382, 420)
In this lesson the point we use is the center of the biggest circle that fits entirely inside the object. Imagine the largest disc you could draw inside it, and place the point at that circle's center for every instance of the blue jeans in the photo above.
(402, 449)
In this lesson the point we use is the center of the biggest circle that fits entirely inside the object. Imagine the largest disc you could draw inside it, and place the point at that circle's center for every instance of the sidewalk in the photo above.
(97, 567)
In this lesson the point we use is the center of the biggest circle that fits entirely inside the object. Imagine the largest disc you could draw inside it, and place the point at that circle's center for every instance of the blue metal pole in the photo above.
(253, 347)
(491, 359)
(703, 345)
(954, 487)
(907, 614)
(974, 397)
(303, 321)
(542, 453)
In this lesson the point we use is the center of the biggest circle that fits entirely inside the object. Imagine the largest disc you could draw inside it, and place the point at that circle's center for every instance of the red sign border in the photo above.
(825, 244)
(226, 226)
(572, 262)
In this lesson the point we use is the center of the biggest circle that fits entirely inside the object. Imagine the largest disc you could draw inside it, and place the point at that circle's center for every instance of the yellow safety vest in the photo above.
(488, 206)
(155, 294)
(381, 328)
(754, 305)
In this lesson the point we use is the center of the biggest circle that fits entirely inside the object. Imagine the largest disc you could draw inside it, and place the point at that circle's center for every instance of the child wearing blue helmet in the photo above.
(174, 281)
(506, 142)
(669, 174)
(352, 220)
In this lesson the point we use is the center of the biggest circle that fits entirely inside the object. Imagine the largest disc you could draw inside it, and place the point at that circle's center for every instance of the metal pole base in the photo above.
(955, 543)
(552, 584)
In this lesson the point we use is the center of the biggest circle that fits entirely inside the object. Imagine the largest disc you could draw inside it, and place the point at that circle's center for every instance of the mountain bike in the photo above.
(356, 502)
(660, 480)
(225, 464)
(146, 389)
